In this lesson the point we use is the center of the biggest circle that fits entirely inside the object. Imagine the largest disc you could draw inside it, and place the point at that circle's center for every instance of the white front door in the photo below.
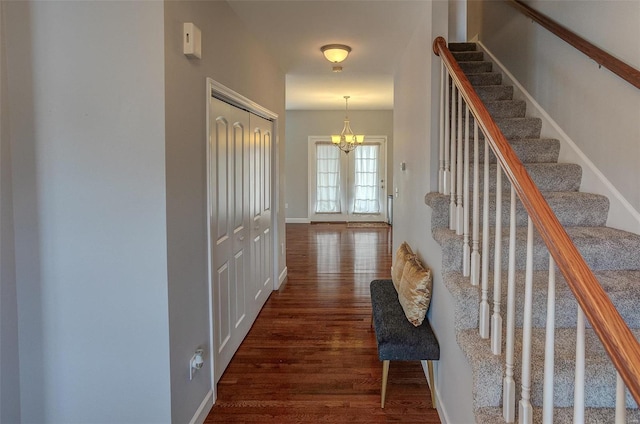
(347, 187)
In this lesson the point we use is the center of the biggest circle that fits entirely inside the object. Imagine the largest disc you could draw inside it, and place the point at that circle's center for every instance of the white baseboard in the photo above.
(444, 418)
(281, 277)
(622, 214)
(297, 221)
(203, 410)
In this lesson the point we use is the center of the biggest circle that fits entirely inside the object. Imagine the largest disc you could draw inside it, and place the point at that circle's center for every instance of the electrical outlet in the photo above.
(196, 362)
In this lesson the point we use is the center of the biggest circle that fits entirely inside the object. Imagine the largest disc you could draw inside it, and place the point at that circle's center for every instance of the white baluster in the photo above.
(452, 201)
(525, 411)
(466, 250)
(578, 394)
(621, 401)
(459, 177)
(547, 394)
(484, 297)
(509, 385)
(441, 139)
(496, 321)
(447, 118)
(475, 242)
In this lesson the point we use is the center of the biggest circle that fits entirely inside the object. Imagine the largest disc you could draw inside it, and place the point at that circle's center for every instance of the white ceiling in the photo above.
(293, 31)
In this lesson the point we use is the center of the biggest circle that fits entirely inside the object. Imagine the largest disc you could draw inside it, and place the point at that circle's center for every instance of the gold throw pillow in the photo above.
(414, 293)
(403, 254)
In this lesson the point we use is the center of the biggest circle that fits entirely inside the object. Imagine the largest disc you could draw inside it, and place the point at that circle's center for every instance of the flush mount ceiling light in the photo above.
(336, 53)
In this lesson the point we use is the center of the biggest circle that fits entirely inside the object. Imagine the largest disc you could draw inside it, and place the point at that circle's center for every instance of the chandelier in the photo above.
(347, 140)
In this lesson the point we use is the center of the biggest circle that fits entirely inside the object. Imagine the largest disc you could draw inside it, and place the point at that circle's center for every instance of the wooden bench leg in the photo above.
(433, 384)
(385, 374)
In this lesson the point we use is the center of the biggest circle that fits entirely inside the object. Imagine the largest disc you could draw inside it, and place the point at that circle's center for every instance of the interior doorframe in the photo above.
(221, 92)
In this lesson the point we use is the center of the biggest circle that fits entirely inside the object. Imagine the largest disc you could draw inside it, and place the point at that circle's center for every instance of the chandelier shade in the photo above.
(335, 53)
(347, 140)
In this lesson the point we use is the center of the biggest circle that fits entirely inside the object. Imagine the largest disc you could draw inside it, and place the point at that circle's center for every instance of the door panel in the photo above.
(261, 209)
(229, 146)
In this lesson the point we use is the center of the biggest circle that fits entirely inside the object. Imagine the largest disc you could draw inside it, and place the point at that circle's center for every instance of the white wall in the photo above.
(457, 20)
(416, 90)
(230, 56)
(86, 94)
(599, 111)
(9, 360)
(304, 123)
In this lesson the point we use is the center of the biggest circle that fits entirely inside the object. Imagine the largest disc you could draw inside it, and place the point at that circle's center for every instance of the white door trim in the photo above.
(221, 92)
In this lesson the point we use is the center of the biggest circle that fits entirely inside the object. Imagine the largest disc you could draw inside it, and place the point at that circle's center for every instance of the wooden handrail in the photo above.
(620, 344)
(615, 65)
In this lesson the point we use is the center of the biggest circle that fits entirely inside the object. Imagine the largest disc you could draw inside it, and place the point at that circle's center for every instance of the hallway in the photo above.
(311, 355)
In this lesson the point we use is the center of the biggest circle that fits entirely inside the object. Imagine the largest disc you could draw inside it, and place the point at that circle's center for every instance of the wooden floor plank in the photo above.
(311, 355)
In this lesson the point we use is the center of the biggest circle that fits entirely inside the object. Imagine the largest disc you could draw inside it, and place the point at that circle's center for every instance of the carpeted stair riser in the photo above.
(489, 93)
(487, 78)
(468, 56)
(487, 369)
(620, 286)
(548, 177)
(514, 127)
(506, 108)
(500, 109)
(476, 67)
(602, 248)
(573, 209)
(528, 150)
(491, 415)
(462, 47)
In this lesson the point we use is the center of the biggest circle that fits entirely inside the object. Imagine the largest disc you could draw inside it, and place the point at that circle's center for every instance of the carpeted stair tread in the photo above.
(485, 78)
(462, 47)
(573, 209)
(548, 177)
(622, 287)
(476, 66)
(491, 415)
(603, 248)
(468, 56)
(487, 368)
(488, 93)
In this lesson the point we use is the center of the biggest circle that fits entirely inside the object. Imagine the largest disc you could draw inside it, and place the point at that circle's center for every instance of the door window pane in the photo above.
(366, 193)
(327, 179)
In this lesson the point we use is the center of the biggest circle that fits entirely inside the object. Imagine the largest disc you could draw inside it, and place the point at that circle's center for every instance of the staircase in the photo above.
(612, 254)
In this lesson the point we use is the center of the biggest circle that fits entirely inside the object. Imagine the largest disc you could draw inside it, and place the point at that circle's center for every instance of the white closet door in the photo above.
(229, 221)
(260, 195)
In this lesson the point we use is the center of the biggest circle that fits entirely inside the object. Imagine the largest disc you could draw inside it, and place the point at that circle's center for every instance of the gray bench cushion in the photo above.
(398, 339)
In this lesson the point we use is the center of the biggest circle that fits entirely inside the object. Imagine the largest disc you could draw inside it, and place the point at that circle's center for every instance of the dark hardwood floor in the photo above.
(311, 355)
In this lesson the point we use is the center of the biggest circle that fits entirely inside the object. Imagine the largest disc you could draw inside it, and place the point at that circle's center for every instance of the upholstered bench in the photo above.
(398, 339)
